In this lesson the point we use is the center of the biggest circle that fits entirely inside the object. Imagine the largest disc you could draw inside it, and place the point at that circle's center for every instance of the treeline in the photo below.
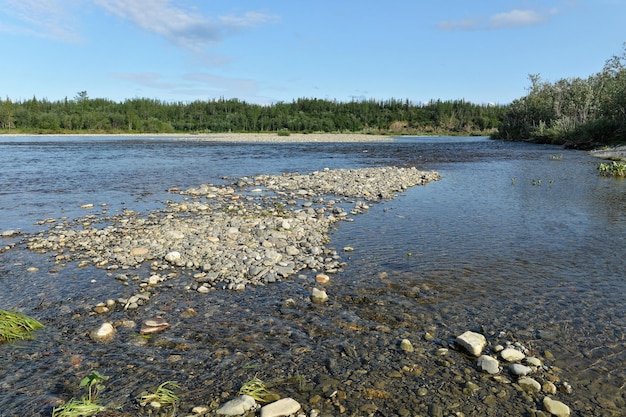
(141, 115)
(577, 112)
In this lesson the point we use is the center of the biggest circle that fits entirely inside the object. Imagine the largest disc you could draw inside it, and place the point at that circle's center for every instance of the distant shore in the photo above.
(238, 137)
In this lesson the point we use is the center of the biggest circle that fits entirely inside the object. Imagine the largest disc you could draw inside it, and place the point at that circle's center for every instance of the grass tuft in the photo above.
(257, 389)
(16, 326)
(164, 395)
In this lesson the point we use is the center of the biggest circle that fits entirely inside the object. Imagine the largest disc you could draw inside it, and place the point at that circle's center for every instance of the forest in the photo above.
(141, 115)
(577, 112)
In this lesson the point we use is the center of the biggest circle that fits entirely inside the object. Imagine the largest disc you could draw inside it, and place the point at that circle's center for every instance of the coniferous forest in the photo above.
(575, 111)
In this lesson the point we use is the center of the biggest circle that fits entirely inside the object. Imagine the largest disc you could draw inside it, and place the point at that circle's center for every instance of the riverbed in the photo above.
(522, 243)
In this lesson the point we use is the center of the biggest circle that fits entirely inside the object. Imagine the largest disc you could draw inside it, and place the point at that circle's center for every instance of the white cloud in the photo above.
(184, 28)
(515, 18)
(50, 19)
(518, 18)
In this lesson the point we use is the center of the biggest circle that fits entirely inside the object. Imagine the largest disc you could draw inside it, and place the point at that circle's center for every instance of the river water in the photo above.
(516, 239)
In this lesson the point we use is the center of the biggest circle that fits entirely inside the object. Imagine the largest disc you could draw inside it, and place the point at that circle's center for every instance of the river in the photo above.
(517, 241)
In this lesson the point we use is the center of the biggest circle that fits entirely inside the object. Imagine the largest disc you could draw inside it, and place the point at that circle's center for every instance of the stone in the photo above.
(556, 408)
(105, 333)
(488, 364)
(237, 406)
(319, 296)
(549, 387)
(519, 369)
(154, 325)
(474, 343)
(406, 345)
(322, 278)
(173, 257)
(529, 385)
(140, 251)
(281, 408)
(10, 233)
(512, 355)
(200, 409)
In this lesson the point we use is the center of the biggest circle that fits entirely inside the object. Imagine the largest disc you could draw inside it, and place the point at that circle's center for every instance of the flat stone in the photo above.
(139, 251)
(556, 408)
(488, 364)
(474, 343)
(529, 384)
(512, 355)
(236, 407)
(281, 408)
(519, 370)
(322, 278)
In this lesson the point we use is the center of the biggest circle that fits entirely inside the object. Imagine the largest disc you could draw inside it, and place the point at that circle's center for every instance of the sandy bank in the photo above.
(294, 137)
(617, 153)
(241, 137)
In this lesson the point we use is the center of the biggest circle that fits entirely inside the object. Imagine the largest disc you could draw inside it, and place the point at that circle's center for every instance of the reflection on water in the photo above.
(509, 240)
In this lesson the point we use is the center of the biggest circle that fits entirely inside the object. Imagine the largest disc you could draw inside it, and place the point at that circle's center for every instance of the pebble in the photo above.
(519, 369)
(237, 406)
(322, 278)
(474, 343)
(319, 296)
(406, 346)
(281, 408)
(529, 385)
(556, 408)
(104, 333)
(154, 325)
(488, 364)
(512, 355)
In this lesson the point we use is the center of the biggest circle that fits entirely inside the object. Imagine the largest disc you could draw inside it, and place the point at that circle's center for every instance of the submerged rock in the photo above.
(105, 333)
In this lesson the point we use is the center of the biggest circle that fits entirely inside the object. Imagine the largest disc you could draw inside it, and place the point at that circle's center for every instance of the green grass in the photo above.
(164, 395)
(78, 408)
(612, 169)
(16, 326)
(87, 406)
(256, 389)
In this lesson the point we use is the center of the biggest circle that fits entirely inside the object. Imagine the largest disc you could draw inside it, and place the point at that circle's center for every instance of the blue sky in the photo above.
(279, 50)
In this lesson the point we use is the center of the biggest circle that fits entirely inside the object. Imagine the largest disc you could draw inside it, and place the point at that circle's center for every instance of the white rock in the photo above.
(512, 355)
(319, 296)
(474, 343)
(104, 333)
(556, 408)
(173, 257)
(530, 361)
(281, 408)
(519, 369)
(238, 406)
(488, 364)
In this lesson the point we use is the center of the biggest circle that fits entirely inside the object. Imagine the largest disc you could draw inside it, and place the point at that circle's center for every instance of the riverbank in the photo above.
(617, 153)
(237, 137)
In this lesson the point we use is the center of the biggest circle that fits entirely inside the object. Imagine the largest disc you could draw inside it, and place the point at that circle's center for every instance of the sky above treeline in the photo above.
(280, 50)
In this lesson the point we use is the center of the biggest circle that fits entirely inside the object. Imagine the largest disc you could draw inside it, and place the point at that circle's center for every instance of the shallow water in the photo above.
(513, 239)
